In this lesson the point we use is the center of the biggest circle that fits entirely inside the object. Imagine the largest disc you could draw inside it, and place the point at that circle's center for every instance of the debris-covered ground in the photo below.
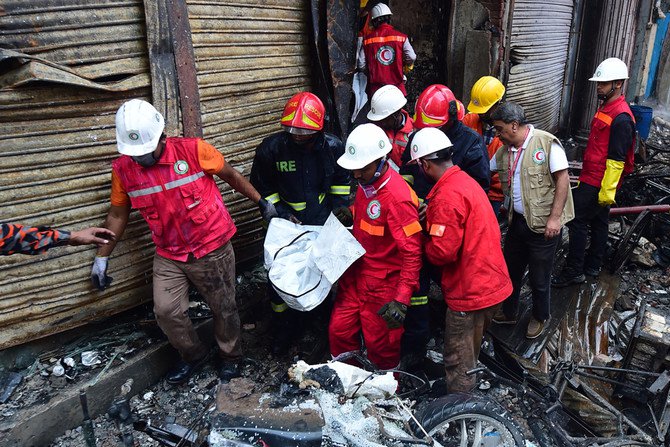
(639, 248)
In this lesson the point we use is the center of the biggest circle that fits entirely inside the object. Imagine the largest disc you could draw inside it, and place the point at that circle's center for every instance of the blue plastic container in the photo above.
(642, 116)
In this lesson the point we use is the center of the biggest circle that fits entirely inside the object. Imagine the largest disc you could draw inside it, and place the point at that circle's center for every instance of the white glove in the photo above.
(99, 273)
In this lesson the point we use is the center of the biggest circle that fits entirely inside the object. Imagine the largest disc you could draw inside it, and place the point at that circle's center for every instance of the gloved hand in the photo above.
(613, 171)
(344, 215)
(393, 313)
(99, 273)
(268, 210)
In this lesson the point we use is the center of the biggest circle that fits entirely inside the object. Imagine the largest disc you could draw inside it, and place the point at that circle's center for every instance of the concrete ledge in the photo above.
(40, 425)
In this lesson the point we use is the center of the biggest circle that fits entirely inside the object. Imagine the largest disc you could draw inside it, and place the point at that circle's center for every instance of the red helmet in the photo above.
(303, 111)
(435, 105)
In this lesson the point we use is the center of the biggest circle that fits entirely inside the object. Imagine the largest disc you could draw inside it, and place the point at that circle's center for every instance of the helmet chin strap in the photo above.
(607, 95)
(377, 173)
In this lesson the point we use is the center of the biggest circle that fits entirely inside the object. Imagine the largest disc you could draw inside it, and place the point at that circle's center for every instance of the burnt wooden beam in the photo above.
(184, 57)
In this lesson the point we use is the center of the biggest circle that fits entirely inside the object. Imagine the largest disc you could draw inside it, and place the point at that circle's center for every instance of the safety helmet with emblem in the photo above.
(426, 142)
(139, 127)
(435, 106)
(484, 94)
(380, 10)
(385, 102)
(303, 114)
(611, 69)
(365, 144)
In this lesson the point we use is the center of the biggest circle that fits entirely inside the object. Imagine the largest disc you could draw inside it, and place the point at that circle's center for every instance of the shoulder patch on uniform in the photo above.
(539, 156)
(374, 209)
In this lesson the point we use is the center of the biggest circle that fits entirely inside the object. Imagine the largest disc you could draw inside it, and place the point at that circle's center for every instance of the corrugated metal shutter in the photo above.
(251, 57)
(539, 46)
(56, 145)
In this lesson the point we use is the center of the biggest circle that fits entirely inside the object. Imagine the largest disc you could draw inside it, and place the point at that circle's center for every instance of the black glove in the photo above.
(344, 215)
(268, 210)
(393, 313)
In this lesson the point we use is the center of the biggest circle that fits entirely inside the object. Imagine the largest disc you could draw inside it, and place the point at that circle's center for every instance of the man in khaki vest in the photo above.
(533, 172)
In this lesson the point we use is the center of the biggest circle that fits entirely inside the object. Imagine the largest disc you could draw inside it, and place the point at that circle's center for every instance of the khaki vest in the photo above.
(537, 184)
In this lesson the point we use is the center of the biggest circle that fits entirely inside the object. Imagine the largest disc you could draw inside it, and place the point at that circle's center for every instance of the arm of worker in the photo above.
(340, 189)
(403, 222)
(116, 222)
(408, 56)
(558, 166)
(445, 232)
(361, 64)
(622, 133)
(15, 238)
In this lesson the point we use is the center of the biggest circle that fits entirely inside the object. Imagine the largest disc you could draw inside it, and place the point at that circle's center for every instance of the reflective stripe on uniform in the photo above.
(401, 143)
(145, 191)
(184, 180)
(298, 206)
(374, 230)
(418, 300)
(279, 307)
(409, 179)
(384, 39)
(341, 190)
(412, 228)
(605, 118)
(273, 198)
(437, 230)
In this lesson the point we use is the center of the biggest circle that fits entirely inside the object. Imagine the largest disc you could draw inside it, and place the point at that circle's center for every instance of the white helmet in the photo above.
(139, 126)
(379, 10)
(612, 69)
(365, 144)
(386, 101)
(428, 141)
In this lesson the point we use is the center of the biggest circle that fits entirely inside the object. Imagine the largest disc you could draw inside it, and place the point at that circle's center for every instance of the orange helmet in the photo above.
(435, 106)
(303, 114)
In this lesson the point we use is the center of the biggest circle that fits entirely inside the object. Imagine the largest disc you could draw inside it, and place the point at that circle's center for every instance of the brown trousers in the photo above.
(214, 277)
(462, 340)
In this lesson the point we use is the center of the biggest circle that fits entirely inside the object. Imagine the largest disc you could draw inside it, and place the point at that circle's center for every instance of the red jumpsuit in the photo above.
(464, 243)
(387, 226)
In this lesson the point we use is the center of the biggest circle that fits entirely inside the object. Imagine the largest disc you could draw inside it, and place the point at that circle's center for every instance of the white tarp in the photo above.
(359, 84)
(303, 261)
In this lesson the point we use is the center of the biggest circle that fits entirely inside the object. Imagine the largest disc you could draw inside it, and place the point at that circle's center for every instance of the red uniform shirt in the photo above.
(464, 242)
(399, 139)
(387, 226)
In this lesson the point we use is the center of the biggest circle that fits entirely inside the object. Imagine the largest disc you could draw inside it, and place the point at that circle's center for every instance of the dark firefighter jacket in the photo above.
(307, 183)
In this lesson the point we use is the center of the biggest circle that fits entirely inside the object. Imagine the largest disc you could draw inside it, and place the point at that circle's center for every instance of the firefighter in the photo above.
(386, 111)
(608, 157)
(374, 293)
(386, 53)
(438, 107)
(487, 93)
(296, 170)
(464, 243)
(170, 181)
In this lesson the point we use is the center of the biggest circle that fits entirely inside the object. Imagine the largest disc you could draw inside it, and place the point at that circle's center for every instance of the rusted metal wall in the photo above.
(539, 38)
(251, 57)
(74, 64)
(65, 67)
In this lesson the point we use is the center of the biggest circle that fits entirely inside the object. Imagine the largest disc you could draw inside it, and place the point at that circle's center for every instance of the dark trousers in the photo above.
(525, 248)
(462, 339)
(588, 216)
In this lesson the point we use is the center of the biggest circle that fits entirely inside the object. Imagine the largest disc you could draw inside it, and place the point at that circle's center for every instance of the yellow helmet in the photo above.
(486, 92)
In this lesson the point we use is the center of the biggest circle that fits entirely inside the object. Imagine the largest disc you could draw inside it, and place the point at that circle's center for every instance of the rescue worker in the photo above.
(386, 53)
(533, 172)
(296, 170)
(386, 111)
(464, 243)
(608, 157)
(438, 107)
(15, 238)
(485, 95)
(374, 293)
(170, 181)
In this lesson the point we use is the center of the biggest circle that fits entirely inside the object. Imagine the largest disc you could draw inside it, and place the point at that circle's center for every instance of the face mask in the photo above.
(146, 160)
